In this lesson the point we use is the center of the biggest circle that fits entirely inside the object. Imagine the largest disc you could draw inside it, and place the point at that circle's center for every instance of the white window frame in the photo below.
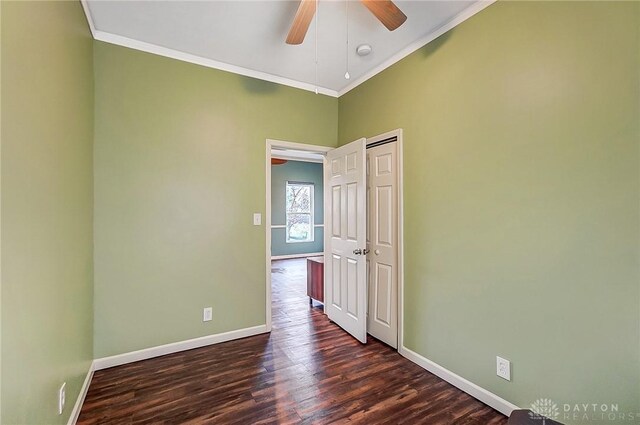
(311, 214)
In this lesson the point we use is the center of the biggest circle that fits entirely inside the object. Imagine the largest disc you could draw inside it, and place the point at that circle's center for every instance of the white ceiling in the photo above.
(248, 37)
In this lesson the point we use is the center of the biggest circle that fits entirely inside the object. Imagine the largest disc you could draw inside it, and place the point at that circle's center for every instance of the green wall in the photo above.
(47, 208)
(521, 154)
(179, 172)
(522, 200)
(308, 172)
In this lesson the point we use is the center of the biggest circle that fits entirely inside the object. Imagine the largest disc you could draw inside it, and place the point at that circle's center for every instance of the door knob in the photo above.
(357, 251)
(377, 252)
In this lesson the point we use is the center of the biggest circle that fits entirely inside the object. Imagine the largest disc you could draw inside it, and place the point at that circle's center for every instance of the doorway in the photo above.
(293, 222)
(363, 270)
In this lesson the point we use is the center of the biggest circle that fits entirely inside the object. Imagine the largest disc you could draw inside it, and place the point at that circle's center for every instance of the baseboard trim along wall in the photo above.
(75, 413)
(487, 397)
(161, 350)
(289, 256)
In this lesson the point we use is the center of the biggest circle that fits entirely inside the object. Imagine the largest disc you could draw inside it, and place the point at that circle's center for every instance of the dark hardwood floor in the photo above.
(306, 371)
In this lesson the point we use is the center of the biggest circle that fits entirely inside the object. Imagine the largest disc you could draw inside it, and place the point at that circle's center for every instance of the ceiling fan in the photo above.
(385, 10)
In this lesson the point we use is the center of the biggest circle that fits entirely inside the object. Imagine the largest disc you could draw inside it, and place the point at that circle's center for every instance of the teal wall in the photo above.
(521, 197)
(308, 172)
(179, 172)
(47, 208)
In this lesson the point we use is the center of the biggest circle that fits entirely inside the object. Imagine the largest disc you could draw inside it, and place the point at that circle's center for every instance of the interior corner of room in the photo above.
(466, 212)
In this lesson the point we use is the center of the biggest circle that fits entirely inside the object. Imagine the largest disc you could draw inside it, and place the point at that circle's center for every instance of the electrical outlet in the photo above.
(62, 395)
(257, 219)
(207, 314)
(503, 368)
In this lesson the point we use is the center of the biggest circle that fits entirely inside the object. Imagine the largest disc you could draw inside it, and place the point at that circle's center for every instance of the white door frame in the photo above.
(271, 143)
(398, 134)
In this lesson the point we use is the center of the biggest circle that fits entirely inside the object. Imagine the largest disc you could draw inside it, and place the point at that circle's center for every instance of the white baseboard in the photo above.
(161, 350)
(75, 413)
(487, 397)
(287, 257)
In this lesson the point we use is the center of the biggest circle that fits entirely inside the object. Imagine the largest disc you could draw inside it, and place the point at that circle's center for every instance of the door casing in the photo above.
(271, 143)
(278, 144)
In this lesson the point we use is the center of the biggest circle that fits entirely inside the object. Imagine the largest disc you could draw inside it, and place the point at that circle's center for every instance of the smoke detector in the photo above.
(363, 50)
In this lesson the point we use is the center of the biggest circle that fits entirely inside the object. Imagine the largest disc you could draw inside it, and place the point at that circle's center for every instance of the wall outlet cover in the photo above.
(503, 368)
(257, 219)
(207, 314)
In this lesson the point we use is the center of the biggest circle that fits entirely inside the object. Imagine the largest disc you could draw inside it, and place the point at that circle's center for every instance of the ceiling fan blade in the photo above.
(386, 12)
(301, 22)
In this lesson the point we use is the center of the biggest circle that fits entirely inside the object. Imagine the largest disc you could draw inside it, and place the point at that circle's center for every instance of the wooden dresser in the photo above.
(315, 279)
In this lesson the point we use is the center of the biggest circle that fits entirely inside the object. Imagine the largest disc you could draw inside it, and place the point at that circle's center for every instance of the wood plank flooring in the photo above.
(307, 371)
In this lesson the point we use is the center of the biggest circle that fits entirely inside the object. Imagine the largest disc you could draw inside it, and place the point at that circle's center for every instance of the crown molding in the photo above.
(155, 49)
(465, 14)
(87, 13)
(209, 63)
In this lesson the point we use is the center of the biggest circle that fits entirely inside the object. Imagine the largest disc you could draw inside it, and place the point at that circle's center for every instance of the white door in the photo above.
(345, 230)
(382, 241)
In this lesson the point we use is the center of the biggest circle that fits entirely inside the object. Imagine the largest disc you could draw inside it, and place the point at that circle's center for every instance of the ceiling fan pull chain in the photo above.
(346, 5)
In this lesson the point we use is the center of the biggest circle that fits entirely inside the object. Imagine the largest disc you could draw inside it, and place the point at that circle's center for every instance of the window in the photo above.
(299, 211)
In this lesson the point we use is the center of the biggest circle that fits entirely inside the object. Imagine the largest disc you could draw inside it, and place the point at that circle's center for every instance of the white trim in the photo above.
(291, 155)
(284, 226)
(289, 256)
(485, 396)
(452, 23)
(87, 13)
(75, 413)
(119, 40)
(267, 231)
(282, 145)
(175, 347)
(326, 240)
(209, 63)
(400, 142)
